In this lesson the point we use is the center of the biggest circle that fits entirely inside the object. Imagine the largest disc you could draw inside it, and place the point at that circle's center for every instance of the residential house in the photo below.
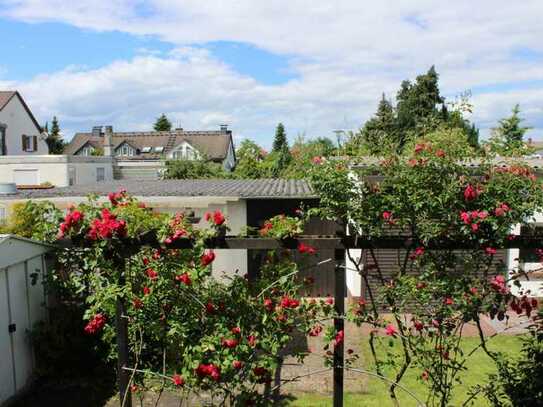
(142, 154)
(20, 133)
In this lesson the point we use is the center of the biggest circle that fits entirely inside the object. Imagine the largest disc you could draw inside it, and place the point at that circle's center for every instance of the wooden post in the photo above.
(121, 327)
(123, 375)
(339, 304)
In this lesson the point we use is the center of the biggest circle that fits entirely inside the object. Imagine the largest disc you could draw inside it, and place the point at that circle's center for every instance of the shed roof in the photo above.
(249, 189)
(16, 249)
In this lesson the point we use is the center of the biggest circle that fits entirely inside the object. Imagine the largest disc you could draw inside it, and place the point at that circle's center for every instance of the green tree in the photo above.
(162, 123)
(280, 155)
(250, 158)
(54, 140)
(508, 138)
(280, 140)
(380, 131)
(193, 169)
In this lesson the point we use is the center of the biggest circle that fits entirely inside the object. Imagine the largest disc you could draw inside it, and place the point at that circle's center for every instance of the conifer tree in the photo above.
(280, 140)
(162, 123)
(54, 140)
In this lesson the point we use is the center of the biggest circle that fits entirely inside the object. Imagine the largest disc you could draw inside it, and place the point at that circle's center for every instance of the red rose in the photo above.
(137, 303)
(391, 330)
(236, 330)
(303, 249)
(95, 324)
(340, 336)
(260, 371)
(230, 343)
(218, 218)
(236, 364)
(184, 278)
(316, 330)
(440, 153)
(329, 301)
(268, 304)
(490, 251)
(425, 375)
(178, 380)
(252, 341)
(448, 301)
(151, 273)
(470, 193)
(146, 290)
(418, 325)
(287, 302)
(210, 308)
(207, 258)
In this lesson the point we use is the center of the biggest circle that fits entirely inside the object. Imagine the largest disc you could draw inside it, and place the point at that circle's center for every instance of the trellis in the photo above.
(339, 244)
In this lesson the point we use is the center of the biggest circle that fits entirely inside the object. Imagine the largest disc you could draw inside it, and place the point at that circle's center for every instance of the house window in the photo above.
(184, 152)
(29, 143)
(3, 147)
(125, 150)
(87, 151)
(100, 174)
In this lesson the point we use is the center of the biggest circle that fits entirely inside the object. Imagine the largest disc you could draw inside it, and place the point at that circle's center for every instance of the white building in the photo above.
(20, 133)
(56, 170)
(22, 304)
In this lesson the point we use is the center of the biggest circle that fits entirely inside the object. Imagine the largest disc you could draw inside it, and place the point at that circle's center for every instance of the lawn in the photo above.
(376, 393)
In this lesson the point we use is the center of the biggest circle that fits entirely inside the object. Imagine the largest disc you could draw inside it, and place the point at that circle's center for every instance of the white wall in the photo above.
(54, 169)
(534, 285)
(22, 304)
(18, 122)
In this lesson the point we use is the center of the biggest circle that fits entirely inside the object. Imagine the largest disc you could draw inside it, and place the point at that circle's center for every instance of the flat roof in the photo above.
(249, 189)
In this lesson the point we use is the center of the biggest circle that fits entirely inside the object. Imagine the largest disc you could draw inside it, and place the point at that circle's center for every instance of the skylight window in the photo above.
(146, 150)
(159, 149)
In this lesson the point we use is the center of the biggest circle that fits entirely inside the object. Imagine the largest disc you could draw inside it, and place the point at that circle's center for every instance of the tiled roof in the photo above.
(258, 189)
(5, 97)
(213, 144)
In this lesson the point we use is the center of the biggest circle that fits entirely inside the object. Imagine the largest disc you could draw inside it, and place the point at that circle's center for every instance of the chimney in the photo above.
(224, 128)
(96, 131)
(179, 129)
(108, 141)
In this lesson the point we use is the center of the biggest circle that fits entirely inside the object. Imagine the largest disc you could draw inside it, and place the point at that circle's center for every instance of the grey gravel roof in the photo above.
(258, 188)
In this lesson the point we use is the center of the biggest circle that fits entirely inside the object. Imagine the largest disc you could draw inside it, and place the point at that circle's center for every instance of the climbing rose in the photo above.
(425, 375)
(252, 341)
(501, 210)
(236, 330)
(137, 303)
(448, 301)
(419, 251)
(304, 248)
(268, 304)
(316, 330)
(287, 302)
(210, 308)
(207, 258)
(229, 343)
(146, 290)
(236, 364)
(340, 336)
(390, 330)
(387, 216)
(498, 284)
(418, 325)
(317, 160)
(95, 324)
(490, 251)
(151, 273)
(440, 153)
(216, 217)
(184, 278)
(329, 301)
(209, 370)
(178, 380)
(470, 193)
(107, 226)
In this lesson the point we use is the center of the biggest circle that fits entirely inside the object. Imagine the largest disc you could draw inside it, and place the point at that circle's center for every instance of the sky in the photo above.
(317, 66)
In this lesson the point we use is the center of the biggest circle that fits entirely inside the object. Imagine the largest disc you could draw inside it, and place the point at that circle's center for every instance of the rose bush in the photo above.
(187, 330)
(429, 296)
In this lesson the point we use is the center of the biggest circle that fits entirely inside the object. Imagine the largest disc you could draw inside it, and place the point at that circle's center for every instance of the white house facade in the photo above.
(20, 133)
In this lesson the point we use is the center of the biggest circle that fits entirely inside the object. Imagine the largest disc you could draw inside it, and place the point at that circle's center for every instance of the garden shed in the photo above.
(22, 304)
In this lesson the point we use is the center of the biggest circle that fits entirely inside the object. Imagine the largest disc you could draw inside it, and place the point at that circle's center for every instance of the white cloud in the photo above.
(345, 55)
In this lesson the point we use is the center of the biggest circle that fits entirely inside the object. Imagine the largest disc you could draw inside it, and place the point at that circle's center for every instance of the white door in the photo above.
(19, 307)
(26, 177)
(7, 384)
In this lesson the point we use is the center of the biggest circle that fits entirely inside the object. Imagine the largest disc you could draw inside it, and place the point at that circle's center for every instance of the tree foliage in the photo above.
(508, 138)
(54, 140)
(162, 123)
(193, 169)
(420, 109)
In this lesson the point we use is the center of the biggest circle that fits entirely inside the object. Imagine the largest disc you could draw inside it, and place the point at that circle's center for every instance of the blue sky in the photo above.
(314, 65)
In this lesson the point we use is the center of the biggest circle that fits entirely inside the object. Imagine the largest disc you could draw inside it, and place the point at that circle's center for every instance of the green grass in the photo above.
(376, 392)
